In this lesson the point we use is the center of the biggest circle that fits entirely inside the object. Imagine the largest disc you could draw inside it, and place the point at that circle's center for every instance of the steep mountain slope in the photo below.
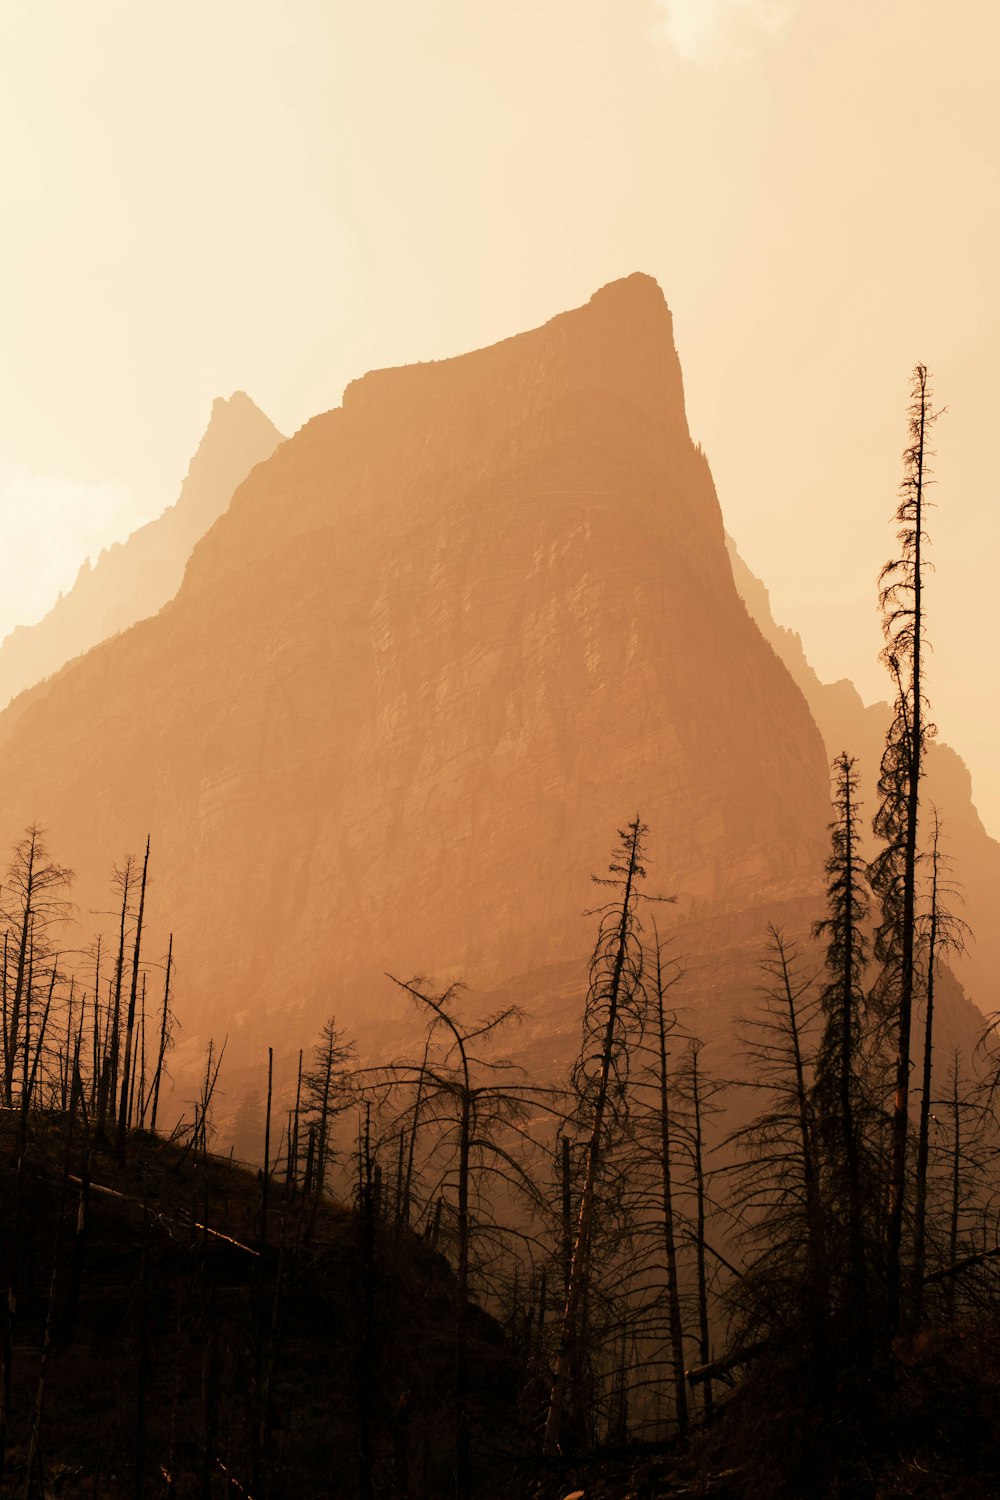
(444, 642)
(133, 579)
(846, 723)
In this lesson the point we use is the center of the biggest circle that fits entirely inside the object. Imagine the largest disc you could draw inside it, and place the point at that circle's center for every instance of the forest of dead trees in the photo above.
(647, 1254)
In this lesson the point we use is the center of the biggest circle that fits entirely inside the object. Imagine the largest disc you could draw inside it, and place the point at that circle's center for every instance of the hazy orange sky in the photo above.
(238, 194)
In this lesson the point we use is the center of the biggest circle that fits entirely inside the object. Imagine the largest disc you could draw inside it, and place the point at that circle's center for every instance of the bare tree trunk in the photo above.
(435, 1228)
(293, 1133)
(704, 1348)
(64, 1060)
(140, 1115)
(109, 1076)
(310, 1161)
(321, 1139)
(667, 1198)
(210, 1407)
(6, 1013)
(123, 1106)
(34, 1453)
(579, 1265)
(142, 1362)
(79, 1247)
(98, 1050)
(540, 1325)
(29, 991)
(400, 1159)
(463, 1487)
(11, 1034)
(847, 1063)
(956, 1183)
(6, 1358)
(923, 1133)
(567, 1213)
(134, 1071)
(912, 772)
(817, 1290)
(267, 1149)
(366, 1353)
(412, 1144)
(33, 1462)
(29, 1082)
(164, 1029)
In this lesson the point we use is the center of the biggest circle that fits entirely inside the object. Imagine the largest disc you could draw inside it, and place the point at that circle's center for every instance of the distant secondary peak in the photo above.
(239, 402)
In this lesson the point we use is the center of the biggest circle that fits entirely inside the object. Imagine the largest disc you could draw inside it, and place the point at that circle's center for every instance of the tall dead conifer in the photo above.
(842, 1002)
(612, 1017)
(33, 900)
(894, 870)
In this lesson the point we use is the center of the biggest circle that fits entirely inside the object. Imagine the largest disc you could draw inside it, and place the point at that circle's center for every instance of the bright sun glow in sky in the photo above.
(710, 32)
(49, 526)
(202, 198)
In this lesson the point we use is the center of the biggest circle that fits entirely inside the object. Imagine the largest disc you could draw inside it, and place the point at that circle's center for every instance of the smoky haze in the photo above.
(199, 202)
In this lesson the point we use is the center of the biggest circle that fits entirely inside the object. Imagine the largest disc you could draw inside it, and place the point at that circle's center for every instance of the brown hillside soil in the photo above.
(249, 1356)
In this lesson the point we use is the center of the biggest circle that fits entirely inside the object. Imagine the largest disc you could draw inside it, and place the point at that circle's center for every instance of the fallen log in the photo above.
(718, 1369)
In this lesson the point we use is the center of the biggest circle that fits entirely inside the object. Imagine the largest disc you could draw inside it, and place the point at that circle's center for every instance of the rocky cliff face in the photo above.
(133, 579)
(442, 645)
(846, 723)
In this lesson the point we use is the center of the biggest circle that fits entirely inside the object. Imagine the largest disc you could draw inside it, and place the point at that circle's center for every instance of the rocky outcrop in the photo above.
(133, 579)
(443, 643)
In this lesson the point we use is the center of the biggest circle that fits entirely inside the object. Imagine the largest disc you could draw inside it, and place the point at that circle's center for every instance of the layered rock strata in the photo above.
(443, 643)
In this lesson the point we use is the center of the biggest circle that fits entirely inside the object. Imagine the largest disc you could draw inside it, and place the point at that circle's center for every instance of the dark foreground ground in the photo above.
(160, 1346)
(174, 1353)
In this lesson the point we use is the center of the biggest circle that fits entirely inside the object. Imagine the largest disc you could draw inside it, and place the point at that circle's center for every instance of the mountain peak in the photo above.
(237, 411)
(620, 340)
(638, 284)
(134, 579)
